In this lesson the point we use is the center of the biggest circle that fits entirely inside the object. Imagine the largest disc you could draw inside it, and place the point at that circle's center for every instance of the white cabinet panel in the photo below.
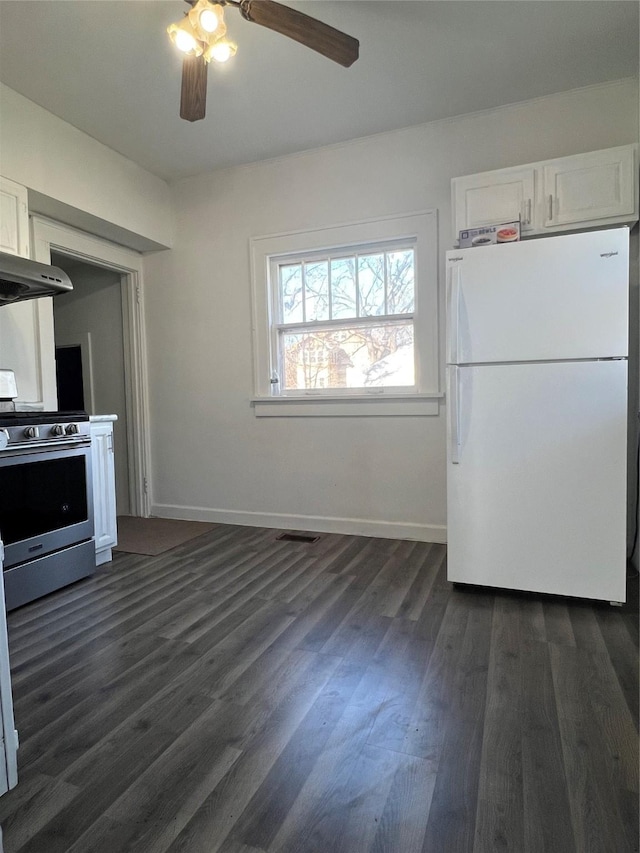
(587, 187)
(104, 489)
(14, 218)
(494, 197)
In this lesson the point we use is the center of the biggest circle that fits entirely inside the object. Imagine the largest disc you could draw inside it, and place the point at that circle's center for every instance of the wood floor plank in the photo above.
(558, 627)
(596, 815)
(499, 816)
(316, 815)
(623, 653)
(547, 812)
(403, 823)
(104, 772)
(363, 800)
(451, 824)
(244, 694)
(426, 731)
(264, 814)
(35, 802)
(418, 593)
(215, 819)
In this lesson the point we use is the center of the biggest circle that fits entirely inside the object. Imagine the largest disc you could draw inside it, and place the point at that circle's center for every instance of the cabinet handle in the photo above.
(550, 207)
(528, 211)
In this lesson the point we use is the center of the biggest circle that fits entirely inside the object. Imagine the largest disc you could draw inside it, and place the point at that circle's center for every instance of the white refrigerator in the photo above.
(537, 344)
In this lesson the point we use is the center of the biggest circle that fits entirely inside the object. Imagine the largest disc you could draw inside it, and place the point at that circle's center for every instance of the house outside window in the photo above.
(342, 319)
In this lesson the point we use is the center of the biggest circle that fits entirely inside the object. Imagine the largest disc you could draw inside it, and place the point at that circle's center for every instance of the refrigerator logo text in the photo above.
(607, 254)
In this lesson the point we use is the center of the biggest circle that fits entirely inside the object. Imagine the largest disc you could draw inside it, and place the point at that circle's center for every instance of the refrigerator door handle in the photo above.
(453, 310)
(453, 401)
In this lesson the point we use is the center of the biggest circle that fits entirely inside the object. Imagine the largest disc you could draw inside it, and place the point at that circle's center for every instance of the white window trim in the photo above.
(422, 227)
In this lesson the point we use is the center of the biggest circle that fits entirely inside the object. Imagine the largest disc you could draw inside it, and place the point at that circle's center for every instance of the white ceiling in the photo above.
(108, 69)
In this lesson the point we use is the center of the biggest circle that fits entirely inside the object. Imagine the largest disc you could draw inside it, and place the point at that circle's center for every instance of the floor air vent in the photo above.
(298, 537)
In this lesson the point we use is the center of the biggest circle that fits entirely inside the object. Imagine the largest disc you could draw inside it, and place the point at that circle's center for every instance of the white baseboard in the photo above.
(315, 523)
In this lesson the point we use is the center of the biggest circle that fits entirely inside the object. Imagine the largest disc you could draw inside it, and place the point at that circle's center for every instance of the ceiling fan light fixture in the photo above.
(185, 38)
(220, 51)
(207, 18)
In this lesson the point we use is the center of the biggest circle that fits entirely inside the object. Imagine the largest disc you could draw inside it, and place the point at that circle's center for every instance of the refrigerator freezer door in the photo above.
(537, 499)
(540, 300)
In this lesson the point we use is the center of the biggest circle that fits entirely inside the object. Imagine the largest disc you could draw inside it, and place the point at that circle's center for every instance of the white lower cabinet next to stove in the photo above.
(104, 486)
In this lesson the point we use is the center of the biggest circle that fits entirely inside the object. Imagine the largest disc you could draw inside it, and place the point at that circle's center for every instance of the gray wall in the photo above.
(321, 473)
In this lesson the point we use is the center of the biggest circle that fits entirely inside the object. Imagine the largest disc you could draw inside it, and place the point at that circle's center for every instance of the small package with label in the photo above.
(507, 232)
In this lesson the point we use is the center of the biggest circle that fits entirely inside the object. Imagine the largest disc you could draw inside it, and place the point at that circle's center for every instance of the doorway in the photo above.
(69, 378)
(90, 362)
(68, 245)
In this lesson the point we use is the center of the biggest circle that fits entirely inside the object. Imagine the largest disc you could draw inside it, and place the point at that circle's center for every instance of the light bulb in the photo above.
(221, 51)
(208, 20)
(184, 38)
(185, 42)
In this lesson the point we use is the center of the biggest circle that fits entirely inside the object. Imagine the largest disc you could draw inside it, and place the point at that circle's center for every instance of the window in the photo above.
(344, 321)
(347, 315)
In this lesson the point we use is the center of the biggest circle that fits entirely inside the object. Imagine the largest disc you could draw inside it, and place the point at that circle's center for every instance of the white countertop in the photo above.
(102, 418)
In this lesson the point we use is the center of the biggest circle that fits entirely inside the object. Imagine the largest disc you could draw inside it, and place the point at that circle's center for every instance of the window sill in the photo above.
(357, 406)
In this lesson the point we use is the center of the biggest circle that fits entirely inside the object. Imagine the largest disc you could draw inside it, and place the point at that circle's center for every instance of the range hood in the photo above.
(21, 278)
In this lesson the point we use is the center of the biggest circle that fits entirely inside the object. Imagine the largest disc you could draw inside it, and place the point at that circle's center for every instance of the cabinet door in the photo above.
(104, 490)
(493, 197)
(14, 219)
(589, 188)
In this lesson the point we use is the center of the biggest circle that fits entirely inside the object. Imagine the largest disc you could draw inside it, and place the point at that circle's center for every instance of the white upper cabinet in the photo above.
(493, 197)
(14, 218)
(570, 193)
(595, 186)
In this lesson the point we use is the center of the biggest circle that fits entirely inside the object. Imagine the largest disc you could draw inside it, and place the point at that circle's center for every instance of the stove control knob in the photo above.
(31, 432)
(71, 429)
(57, 429)
(4, 438)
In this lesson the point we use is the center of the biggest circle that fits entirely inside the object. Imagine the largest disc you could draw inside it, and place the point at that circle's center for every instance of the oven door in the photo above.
(46, 501)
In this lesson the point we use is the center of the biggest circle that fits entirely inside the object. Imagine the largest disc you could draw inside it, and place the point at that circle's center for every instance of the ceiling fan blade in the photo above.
(326, 40)
(193, 96)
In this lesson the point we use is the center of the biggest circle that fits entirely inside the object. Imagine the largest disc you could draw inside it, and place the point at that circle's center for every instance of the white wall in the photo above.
(211, 457)
(79, 181)
(94, 308)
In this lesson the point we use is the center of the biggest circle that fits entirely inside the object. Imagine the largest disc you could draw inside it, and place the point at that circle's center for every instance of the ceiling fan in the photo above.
(201, 37)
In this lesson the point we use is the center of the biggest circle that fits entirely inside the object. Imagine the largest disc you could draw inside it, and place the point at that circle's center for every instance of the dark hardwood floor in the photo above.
(242, 694)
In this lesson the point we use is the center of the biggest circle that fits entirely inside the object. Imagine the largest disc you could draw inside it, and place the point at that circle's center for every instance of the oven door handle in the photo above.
(33, 447)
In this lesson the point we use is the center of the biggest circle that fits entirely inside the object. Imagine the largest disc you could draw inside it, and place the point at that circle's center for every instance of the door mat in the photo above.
(152, 536)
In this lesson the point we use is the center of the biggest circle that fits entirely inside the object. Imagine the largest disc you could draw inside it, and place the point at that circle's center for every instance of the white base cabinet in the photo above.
(104, 486)
(592, 190)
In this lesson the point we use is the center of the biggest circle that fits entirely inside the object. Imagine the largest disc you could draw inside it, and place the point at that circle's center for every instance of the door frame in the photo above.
(49, 236)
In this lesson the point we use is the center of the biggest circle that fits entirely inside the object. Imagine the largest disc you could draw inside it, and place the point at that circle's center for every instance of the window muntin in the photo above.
(345, 321)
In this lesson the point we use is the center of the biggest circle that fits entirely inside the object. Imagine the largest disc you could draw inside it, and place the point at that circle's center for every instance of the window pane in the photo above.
(291, 293)
(376, 356)
(400, 282)
(371, 285)
(343, 288)
(316, 290)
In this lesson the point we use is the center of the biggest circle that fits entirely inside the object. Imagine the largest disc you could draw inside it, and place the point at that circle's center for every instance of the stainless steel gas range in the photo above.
(46, 502)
